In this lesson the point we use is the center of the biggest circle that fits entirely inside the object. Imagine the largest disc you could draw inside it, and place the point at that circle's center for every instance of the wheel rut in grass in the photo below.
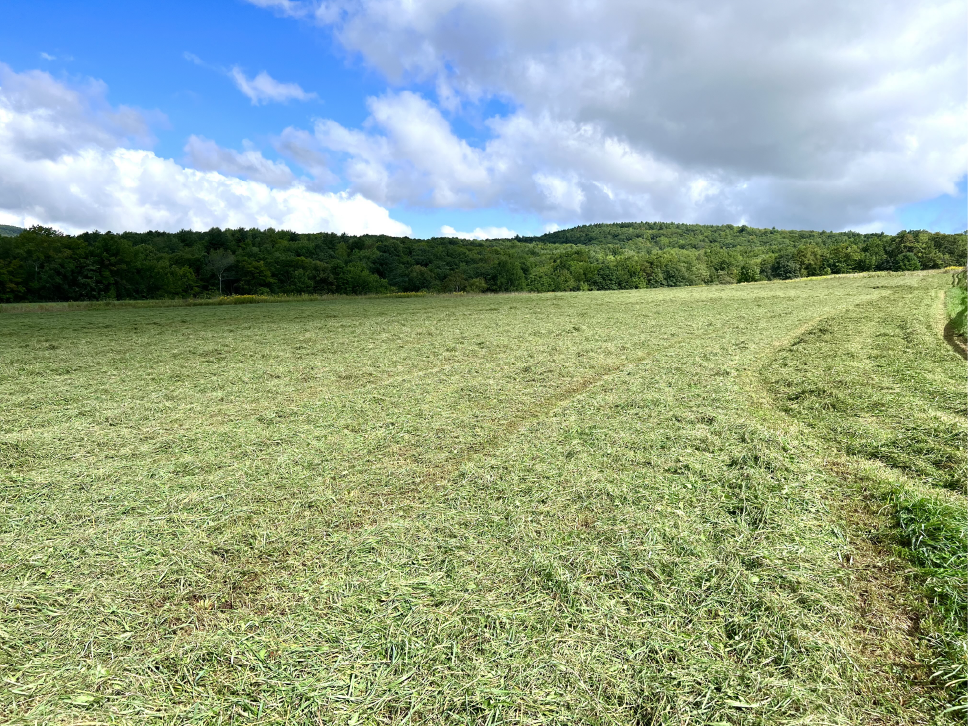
(373, 511)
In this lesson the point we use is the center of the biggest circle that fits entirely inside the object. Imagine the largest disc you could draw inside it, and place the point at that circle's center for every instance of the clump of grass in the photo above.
(957, 304)
(934, 536)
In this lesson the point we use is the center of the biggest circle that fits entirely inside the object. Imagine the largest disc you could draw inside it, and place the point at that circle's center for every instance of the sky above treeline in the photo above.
(483, 119)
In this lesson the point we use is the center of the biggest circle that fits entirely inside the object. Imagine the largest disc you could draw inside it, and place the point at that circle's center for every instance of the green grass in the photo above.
(957, 303)
(531, 509)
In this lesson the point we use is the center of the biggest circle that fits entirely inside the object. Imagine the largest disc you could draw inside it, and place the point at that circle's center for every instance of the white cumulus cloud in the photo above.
(479, 233)
(409, 154)
(821, 114)
(263, 88)
(416, 159)
(288, 8)
(205, 155)
(68, 160)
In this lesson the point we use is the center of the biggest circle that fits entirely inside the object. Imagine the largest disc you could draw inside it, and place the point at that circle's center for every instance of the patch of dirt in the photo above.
(957, 342)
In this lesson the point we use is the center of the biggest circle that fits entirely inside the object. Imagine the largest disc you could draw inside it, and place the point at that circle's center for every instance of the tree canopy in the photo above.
(41, 264)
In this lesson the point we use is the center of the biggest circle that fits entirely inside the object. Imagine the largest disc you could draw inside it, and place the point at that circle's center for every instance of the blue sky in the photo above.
(495, 117)
(138, 50)
(944, 213)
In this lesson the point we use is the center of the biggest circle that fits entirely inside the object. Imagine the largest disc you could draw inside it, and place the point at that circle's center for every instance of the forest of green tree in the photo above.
(41, 264)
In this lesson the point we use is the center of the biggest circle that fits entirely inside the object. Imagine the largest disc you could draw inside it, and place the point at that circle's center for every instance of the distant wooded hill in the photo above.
(43, 265)
(7, 231)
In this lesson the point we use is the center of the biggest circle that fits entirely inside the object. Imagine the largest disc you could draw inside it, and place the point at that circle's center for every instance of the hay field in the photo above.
(681, 506)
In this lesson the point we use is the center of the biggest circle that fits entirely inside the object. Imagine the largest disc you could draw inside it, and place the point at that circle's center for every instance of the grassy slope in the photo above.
(521, 509)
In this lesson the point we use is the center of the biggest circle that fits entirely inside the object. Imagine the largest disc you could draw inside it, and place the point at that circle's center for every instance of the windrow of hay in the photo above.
(878, 384)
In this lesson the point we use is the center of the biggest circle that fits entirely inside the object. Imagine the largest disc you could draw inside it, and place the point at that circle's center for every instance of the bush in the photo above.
(907, 262)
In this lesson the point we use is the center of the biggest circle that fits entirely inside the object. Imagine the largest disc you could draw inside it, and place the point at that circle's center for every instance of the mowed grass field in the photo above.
(677, 506)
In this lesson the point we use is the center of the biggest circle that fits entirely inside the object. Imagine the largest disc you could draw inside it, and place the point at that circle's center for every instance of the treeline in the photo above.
(41, 264)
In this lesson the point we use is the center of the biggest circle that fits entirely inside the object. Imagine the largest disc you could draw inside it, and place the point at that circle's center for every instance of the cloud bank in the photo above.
(822, 114)
(479, 233)
(71, 160)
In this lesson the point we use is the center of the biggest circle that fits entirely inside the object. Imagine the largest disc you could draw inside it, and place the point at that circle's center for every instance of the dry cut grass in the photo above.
(545, 509)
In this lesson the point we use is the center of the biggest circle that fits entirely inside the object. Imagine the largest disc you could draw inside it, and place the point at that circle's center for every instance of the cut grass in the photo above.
(573, 508)
(876, 385)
